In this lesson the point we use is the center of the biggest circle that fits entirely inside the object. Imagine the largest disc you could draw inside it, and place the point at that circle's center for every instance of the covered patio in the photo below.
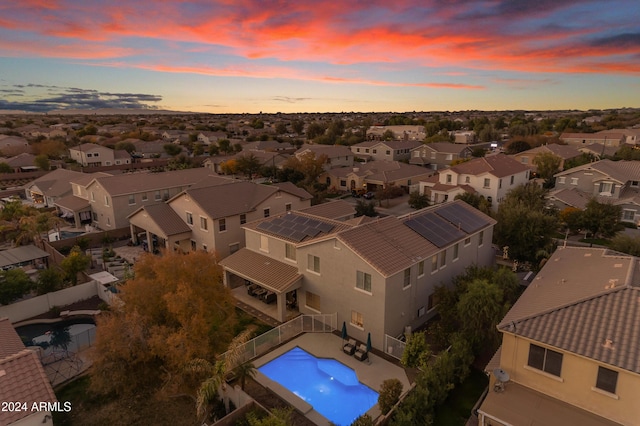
(161, 227)
(263, 283)
(76, 208)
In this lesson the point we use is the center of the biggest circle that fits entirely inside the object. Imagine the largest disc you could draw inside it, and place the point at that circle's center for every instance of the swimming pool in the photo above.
(329, 386)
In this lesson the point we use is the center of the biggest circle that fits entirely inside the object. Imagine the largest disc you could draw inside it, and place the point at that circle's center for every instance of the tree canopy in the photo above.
(175, 310)
(547, 165)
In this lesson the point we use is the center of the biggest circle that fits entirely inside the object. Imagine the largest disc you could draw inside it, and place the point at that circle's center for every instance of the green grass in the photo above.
(597, 241)
(457, 408)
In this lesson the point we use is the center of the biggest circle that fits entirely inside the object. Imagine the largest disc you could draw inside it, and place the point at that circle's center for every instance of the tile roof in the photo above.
(390, 246)
(22, 377)
(623, 171)
(270, 273)
(139, 182)
(446, 147)
(56, 182)
(336, 210)
(72, 203)
(585, 301)
(498, 165)
(563, 151)
(10, 342)
(232, 198)
(85, 178)
(21, 254)
(331, 151)
(164, 217)
(292, 189)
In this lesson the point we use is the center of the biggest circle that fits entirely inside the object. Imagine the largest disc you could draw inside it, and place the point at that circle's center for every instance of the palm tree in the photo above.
(217, 372)
(244, 371)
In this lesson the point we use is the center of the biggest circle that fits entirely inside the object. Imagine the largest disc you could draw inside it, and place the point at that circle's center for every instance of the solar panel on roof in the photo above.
(298, 226)
(298, 236)
(312, 232)
(461, 217)
(435, 229)
(278, 221)
(276, 229)
(325, 227)
(264, 226)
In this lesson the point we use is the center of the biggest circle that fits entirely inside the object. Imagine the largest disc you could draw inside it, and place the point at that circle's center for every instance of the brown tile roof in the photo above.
(563, 151)
(292, 189)
(164, 217)
(72, 203)
(331, 151)
(10, 342)
(571, 197)
(446, 147)
(585, 301)
(267, 272)
(390, 246)
(236, 197)
(336, 210)
(498, 165)
(56, 182)
(85, 178)
(139, 182)
(24, 380)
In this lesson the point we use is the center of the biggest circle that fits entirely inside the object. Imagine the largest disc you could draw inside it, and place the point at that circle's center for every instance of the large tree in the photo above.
(547, 165)
(75, 263)
(524, 225)
(601, 218)
(175, 310)
(248, 164)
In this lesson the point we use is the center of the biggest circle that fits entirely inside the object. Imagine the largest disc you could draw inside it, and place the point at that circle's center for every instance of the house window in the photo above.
(313, 263)
(544, 359)
(93, 196)
(193, 245)
(144, 196)
(222, 224)
(421, 269)
(449, 157)
(94, 216)
(634, 183)
(312, 301)
(357, 319)
(434, 263)
(606, 188)
(574, 181)
(363, 281)
(157, 196)
(449, 177)
(467, 179)
(289, 251)
(264, 243)
(433, 155)
(243, 219)
(562, 179)
(524, 160)
(343, 183)
(388, 152)
(499, 183)
(106, 200)
(421, 312)
(607, 380)
(512, 179)
(267, 212)
(375, 151)
(467, 241)
(132, 199)
(204, 247)
(406, 282)
(455, 252)
(487, 182)
(480, 238)
(366, 150)
(234, 248)
(628, 215)
(165, 194)
(443, 258)
(108, 221)
(287, 207)
(431, 301)
(189, 218)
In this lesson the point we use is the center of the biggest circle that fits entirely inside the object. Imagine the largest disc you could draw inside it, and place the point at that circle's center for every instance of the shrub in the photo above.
(390, 392)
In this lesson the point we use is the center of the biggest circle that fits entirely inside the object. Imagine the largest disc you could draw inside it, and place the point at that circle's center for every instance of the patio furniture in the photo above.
(259, 292)
(350, 347)
(269, 297)
(251, 289)
(361, 353)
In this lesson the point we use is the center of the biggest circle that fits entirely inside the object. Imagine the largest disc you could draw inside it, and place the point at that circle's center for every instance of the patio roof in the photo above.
(263, 270)
(519, 405)
(21, 254)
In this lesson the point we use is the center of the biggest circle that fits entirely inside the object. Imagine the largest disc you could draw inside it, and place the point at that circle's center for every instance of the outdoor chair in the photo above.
(350, 347)
(361, 353)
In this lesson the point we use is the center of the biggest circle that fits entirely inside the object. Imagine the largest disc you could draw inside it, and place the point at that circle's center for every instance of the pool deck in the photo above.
(372, 372)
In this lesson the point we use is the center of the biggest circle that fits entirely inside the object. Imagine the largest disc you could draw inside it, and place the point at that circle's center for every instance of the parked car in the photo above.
(368, 195)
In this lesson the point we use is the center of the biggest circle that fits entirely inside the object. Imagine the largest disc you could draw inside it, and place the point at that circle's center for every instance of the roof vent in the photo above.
(587, 255)
(617, 265)
(608, 344)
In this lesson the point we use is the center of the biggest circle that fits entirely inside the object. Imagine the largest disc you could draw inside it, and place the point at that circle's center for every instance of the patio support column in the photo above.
(76, 219)
(149, 241)
(225, 278)
(134, 237)
(281, 299)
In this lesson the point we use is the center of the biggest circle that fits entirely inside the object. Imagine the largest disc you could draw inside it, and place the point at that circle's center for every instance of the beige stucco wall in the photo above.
(579, 376)
(495, 190)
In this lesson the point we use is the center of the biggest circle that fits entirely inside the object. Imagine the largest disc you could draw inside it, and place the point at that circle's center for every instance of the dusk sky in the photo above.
(228, 56)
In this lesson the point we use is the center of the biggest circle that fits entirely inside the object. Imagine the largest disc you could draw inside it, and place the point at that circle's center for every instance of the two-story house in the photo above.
(569, 353)
(210, 215)
(439, 155)
(93, 155)
(336, 155)
(400, 132)
(396, 150)
(492, 177)
(47, 189)
(375, 174)
(605, 138)
(378, 276)
(616, 182)
(563, 152)
(113, 198)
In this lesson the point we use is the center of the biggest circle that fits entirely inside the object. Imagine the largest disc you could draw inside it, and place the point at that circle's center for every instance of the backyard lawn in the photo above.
(457, 408)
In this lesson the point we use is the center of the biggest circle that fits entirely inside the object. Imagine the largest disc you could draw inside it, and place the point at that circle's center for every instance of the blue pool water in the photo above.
(329, 386)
